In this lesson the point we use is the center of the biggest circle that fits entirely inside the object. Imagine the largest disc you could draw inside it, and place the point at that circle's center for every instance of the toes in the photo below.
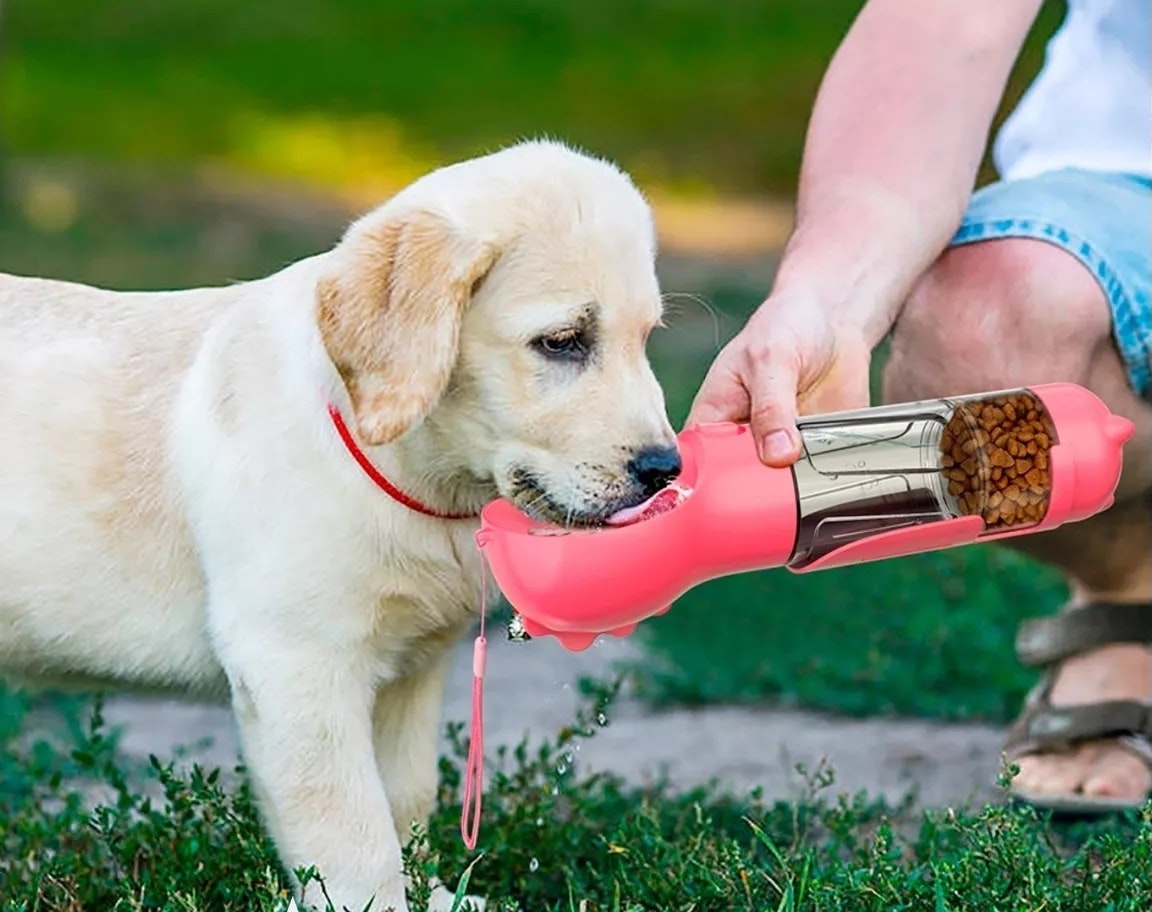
(1118, 773)
(1052, 773)
(1101, 769)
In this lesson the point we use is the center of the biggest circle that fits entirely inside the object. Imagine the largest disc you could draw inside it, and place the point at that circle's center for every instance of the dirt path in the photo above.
(531, 689)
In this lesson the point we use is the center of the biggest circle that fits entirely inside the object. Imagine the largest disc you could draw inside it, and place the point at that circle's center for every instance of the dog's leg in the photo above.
(306, 732)
(406, 727)
(406, 723)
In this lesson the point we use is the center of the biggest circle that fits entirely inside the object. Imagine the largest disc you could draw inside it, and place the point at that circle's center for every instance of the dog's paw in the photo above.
(443, 899)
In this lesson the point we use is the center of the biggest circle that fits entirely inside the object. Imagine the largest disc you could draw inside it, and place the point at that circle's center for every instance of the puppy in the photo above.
(267, 492)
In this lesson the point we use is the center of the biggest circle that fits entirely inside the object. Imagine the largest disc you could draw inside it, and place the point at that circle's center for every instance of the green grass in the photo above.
(929, 635)
(692, 94)
(554, 840)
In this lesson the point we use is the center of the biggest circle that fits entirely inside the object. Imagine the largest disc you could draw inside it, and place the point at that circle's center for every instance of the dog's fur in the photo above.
(177, 511)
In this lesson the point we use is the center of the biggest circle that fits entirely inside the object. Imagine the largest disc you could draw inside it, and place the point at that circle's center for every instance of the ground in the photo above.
(532, 689)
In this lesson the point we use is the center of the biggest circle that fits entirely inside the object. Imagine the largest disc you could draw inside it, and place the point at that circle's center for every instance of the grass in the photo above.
(929, 635)
(697, 96)
(554, 840)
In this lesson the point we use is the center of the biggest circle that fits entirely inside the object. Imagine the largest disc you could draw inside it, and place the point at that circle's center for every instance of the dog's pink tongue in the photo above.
(660, 502)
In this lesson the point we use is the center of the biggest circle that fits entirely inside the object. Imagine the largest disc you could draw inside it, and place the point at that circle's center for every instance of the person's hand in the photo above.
(788, 359)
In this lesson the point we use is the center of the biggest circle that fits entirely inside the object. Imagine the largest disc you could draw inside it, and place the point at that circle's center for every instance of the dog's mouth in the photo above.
(532, 498)
(663, 501)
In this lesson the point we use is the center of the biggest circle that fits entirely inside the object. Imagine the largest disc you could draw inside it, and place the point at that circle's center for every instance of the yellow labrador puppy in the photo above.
(267, 492)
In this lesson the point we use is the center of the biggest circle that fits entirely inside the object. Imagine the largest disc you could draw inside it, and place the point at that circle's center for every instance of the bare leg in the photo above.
(1013, 312)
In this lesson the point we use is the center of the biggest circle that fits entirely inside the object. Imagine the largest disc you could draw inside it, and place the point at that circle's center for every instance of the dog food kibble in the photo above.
(994, 454)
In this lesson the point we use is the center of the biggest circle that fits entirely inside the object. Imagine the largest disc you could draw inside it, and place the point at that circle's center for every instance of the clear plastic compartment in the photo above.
(876, 470)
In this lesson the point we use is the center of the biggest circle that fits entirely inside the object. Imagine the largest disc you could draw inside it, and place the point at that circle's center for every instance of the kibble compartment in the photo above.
(877, 470)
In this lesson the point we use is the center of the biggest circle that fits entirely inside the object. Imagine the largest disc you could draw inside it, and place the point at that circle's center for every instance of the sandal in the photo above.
(1044, 728)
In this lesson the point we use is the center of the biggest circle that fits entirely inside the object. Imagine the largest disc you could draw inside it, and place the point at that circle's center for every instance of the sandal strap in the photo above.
(1044, 640)
(1045, 727)
(1140, 745)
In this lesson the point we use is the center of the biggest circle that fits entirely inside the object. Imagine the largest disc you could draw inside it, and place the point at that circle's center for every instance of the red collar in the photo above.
(381, 482)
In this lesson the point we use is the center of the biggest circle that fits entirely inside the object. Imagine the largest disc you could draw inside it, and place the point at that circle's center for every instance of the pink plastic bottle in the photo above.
(871, 484)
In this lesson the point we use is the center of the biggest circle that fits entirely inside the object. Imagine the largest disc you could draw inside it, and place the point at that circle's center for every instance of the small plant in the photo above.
(78, 832)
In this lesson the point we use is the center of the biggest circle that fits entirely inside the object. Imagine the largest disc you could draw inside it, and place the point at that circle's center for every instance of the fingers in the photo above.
(778, 362)
(772, 385)
(746, 383)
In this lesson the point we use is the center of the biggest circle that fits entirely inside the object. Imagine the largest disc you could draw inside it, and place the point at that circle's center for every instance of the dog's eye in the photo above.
(570, 345)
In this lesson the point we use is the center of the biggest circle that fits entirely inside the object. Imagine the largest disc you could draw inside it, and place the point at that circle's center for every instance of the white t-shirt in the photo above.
(1090, 106)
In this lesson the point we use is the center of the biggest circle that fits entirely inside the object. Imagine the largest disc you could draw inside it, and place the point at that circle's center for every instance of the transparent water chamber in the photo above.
(875, 470)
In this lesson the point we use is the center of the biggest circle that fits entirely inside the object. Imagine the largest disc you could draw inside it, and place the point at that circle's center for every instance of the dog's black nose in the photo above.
(654, 467)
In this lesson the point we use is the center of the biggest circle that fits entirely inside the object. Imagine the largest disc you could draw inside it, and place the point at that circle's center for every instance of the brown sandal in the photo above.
(1044, 728)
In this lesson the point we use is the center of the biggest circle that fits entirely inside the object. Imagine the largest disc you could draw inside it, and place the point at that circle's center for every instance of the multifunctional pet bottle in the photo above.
(870, 484)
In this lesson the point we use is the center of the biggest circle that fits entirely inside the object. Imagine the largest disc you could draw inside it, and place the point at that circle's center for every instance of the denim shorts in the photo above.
(1104, 221)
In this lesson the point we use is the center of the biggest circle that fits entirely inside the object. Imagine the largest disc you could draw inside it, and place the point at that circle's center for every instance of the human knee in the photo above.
(997, 314)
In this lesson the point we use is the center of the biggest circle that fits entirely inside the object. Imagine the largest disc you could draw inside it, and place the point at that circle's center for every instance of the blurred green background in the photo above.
(161, 143)
(704, 97)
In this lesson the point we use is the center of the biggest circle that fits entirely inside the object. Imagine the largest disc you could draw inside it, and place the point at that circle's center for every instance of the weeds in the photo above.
(554, 840)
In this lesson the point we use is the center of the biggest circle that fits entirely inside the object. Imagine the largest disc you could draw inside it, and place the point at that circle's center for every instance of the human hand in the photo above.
(790, 358)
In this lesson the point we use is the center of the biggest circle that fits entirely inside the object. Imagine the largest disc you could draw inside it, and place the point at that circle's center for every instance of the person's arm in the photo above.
(894, 143)
(896, 136)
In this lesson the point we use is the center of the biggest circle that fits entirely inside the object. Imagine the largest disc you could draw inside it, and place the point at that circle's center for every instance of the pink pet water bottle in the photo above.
(870, 484)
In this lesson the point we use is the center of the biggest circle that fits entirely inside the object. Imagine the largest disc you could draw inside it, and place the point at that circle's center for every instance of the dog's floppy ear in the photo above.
(390, 318)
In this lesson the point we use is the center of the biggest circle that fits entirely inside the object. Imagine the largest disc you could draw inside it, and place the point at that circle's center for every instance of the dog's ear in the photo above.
(390, 318)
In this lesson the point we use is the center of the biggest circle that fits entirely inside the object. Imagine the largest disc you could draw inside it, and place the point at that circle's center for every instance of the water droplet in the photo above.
(534, 864)
(562, 767)
(539, 821)
(601, 719)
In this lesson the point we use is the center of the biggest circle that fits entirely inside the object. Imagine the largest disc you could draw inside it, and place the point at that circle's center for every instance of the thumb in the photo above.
(772, 388)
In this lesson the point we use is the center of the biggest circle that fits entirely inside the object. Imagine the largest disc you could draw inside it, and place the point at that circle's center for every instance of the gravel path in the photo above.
(531, 689)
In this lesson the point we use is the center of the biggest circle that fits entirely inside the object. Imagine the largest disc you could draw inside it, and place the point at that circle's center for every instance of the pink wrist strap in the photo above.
(474, 771)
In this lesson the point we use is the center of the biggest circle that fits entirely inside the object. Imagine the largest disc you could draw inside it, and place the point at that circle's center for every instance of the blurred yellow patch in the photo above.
(367, 157)
(699, 225)
(364, 160)
(49, 205)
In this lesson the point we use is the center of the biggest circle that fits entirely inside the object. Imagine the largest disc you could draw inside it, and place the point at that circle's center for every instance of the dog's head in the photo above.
(504, 304)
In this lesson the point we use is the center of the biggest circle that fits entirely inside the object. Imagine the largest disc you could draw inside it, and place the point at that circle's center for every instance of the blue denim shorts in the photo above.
(1105, 221)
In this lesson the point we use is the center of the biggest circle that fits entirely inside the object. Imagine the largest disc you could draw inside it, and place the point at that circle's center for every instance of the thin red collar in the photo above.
(381, 482)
